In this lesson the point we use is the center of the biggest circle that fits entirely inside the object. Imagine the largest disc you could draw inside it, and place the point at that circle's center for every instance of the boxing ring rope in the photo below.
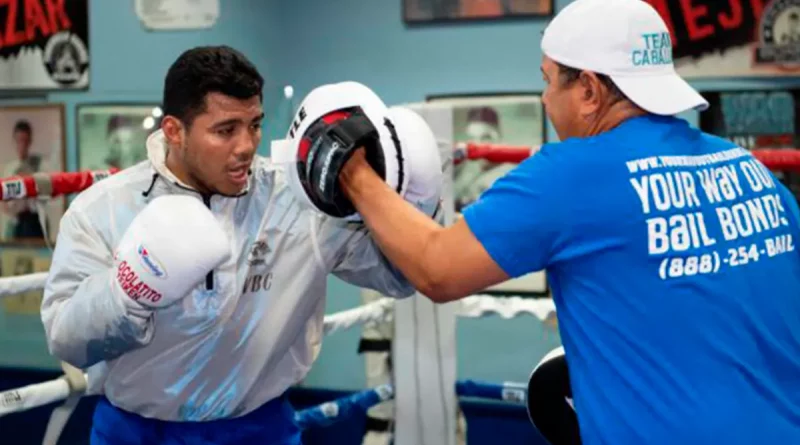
(773, 159)
(44, 186)
(346, 407)
(22, 283)
(34, 396)
(50, 185)
(45, 393)
(475, 306)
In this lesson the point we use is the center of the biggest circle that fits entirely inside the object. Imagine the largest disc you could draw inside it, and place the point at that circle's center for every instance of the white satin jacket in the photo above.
(240, 339)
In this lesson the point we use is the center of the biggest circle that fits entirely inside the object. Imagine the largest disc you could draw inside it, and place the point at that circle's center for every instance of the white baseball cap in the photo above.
(629, 42)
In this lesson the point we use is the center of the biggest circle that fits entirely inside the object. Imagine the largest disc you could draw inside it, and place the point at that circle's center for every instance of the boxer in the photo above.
(672, 254)
(192, 285)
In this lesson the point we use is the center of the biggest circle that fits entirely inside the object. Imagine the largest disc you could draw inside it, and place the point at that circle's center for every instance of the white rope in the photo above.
(32, 396)
(77, 381)
(476, 306)
(377, 311)
(20, 284)
(39, 394)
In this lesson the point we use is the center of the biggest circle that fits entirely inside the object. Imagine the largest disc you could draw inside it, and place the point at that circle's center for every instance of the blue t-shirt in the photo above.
(673, 260)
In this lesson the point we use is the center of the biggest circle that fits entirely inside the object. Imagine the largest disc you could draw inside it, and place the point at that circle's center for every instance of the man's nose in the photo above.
(246, 147)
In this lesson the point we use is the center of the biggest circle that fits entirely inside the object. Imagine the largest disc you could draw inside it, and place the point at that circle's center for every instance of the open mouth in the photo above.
(239, 175)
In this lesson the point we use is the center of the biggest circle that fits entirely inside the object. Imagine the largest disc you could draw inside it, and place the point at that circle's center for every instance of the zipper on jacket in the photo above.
(210, 276)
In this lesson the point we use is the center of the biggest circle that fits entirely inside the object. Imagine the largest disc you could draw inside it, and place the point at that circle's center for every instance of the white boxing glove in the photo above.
(330, 124)
(425, 176)
(167, 250)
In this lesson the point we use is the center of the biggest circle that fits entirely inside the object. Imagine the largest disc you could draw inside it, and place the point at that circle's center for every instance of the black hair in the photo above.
(23, 126)
(569, 75)
(208, 69)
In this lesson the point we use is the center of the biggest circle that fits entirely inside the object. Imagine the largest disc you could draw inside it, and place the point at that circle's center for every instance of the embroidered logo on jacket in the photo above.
(257, 282)
(259, 250)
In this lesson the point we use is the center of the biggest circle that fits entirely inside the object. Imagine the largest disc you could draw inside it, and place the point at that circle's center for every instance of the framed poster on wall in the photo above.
(45, 45)
(34, 142)
(757, 119)
(114, 135)
(730, 38)
(433, 11)
(506, 119)
(516, 119)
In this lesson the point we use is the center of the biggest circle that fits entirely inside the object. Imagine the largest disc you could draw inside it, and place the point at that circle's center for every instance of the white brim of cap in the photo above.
(664, 94)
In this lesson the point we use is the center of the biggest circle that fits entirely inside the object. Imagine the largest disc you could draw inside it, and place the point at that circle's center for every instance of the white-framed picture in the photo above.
(34, 142)
(509, 119)
(113, 135)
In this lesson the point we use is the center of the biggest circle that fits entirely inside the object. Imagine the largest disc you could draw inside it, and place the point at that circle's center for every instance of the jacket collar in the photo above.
(157, 154)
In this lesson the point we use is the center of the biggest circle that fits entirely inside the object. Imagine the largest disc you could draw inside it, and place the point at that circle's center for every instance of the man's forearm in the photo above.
(404, 234)
(90, 324)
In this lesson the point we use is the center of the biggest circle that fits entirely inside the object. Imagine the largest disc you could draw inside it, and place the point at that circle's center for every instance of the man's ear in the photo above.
(591, 85)
(174, 131)
(592, 92)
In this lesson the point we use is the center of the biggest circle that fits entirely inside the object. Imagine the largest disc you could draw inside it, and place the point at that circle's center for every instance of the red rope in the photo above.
(49, 185)
(57, 184)
(67, 183)
(786, 159)
(774, 159)
(497, 153)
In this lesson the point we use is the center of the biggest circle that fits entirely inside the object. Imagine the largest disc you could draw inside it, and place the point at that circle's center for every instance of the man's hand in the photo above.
(326, 150)
(419, 147)
(444, 264)
(331, 123)
(354, 170)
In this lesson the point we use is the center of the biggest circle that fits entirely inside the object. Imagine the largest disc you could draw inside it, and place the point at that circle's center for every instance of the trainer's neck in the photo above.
(612, 116)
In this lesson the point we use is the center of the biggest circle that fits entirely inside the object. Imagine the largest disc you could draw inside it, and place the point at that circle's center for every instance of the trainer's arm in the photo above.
(443, 263)
(83, 320)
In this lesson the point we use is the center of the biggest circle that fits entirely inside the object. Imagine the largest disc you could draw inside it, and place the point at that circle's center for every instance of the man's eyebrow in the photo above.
(227, 122)
(237, 120)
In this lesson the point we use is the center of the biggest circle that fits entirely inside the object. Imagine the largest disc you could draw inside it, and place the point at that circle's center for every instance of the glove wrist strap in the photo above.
(353, 132)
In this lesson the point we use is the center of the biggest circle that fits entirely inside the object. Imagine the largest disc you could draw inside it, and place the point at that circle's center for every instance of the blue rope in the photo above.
(343, 408)
(507, 392)
(360, 402)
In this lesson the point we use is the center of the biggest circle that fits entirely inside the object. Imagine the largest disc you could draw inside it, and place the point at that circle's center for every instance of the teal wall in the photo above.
(362, 40)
